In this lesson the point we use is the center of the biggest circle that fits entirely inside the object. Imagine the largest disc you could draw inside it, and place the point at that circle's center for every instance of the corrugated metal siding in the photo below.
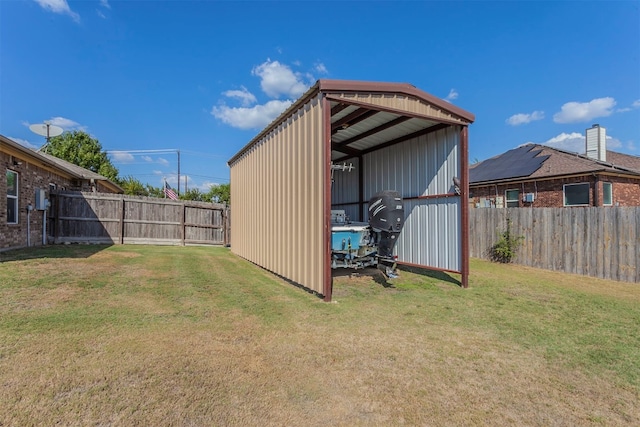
(344, 190)
(345, 183)
(431, 234)
(277, 188)
(424, 166)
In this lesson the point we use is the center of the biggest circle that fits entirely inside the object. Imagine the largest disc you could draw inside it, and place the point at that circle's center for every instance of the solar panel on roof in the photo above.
(516, 163)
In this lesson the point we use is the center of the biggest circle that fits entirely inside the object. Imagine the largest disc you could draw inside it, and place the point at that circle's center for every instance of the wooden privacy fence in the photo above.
(78, 217)
(593, 241)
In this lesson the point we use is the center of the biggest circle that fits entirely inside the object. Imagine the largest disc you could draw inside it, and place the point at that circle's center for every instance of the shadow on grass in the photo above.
(438, 275)
(52, 251)
(373, 273)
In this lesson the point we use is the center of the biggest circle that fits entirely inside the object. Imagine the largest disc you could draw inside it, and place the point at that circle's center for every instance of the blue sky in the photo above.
(204, 77)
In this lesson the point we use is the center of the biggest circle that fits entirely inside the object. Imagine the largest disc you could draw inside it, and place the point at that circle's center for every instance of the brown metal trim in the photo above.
(419, 133)
(370, 132)
(395, 111)
(433, 196)
(464, 203)
(359, 86)
(326, 237)
(401, 88)
(353, 118)
(347, 150)
(407, 137)
(341, 106)
(430, 196)
(360, 189)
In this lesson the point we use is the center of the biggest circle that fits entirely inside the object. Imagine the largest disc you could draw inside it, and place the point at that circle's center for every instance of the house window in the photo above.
(12, 197)
(607, 194)
(576, 194)
(513, 197)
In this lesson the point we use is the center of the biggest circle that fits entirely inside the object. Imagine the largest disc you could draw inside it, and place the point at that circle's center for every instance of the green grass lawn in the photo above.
(144, 335)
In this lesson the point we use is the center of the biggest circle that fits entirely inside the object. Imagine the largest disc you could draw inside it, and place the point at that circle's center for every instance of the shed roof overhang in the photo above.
(367, 116)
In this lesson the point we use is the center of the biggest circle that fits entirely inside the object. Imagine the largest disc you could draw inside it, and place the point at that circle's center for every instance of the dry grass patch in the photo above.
(197, 336)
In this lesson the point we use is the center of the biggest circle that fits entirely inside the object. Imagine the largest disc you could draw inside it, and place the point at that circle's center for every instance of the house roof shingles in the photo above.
(535, 161)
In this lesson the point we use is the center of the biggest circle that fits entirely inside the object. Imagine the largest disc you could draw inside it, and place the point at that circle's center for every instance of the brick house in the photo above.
(536, 175)
(30, 177)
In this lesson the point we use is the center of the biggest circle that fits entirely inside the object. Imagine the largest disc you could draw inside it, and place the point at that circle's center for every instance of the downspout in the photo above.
(326, 236)
(464, 204)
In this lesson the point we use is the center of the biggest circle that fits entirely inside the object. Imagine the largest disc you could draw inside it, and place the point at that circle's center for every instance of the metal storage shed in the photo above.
(396, 136)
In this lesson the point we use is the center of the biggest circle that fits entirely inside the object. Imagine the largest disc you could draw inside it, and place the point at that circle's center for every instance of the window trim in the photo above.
(610, 185)
(564, 194)
(16, 197)
(507, 200)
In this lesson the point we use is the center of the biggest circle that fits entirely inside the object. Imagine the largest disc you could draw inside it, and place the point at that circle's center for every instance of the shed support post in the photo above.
(360, 189)
(464, 203)
(326, 237)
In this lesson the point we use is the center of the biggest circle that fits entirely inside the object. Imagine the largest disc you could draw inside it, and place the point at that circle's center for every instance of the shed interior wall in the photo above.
(422, 166)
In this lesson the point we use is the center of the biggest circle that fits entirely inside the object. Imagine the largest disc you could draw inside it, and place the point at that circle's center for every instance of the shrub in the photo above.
(505, 249)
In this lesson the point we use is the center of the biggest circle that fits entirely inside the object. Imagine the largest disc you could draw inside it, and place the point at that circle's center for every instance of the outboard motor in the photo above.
(386, 218)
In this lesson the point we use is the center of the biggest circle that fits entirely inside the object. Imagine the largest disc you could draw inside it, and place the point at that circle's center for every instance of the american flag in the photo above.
(168, 192)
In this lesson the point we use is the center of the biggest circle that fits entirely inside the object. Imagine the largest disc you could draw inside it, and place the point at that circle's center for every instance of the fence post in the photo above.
(122, 216)
(182, 221)
(226, 224)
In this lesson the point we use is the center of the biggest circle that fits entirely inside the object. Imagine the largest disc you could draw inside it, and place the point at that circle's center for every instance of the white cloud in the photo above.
(636, 103)
(59, 6)
(523, 118)
(105, 4)
(100, 14)
(613, 143)
(321, 68)
(575, 142)
(246, 98)
(121, 156)
(24, 142)
(278, 79)
(147, 159)
(163, 161)
(575, 112)
(257, 116)
(66, 124)
(453, 94)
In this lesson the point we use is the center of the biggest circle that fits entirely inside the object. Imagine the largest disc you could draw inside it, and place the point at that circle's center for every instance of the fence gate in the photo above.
(79, 217)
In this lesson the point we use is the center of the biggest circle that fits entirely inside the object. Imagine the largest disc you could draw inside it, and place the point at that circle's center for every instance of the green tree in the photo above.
(220, 193)
(193, 194)
(154, 191)
(79, 148)
(133, 187)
